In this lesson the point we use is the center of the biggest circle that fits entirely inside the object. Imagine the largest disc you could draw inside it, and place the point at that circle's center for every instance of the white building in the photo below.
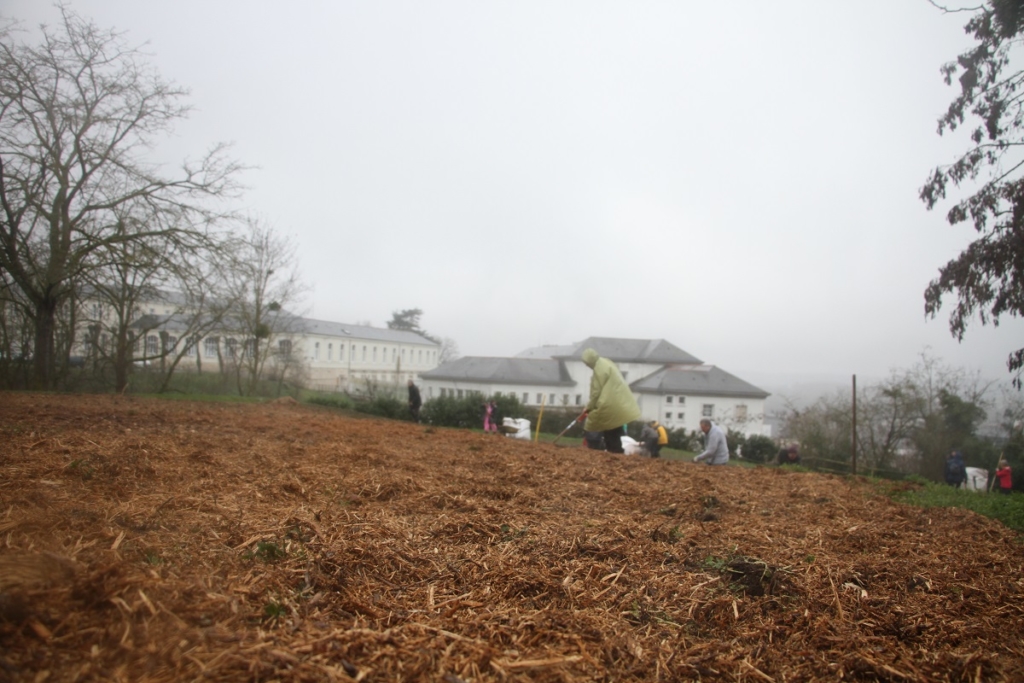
(670, 385)
(355, 357)
(331, 356)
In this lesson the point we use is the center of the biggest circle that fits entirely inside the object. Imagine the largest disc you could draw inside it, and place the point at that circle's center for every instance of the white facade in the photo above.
(531, 394)
(357, 364)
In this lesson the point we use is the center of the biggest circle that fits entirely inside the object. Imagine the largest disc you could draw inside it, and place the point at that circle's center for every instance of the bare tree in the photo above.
(449, 350)
(77, 112)
(15, 335)
(188, 284)
(264, 283)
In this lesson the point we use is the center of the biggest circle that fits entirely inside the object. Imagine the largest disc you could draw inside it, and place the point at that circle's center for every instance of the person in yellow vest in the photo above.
(661, 441)
(612, 404)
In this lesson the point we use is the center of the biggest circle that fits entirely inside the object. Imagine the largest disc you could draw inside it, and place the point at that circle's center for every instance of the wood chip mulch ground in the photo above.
(147, 540)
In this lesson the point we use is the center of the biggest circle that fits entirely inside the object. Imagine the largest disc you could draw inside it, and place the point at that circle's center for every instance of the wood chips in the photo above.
(145, 540)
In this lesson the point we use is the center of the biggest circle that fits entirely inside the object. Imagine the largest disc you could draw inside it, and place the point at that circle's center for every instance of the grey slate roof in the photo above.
(310, 326)
(701, 380)
(542, 371)
(546, 351)
(290, 324)
(656, 351)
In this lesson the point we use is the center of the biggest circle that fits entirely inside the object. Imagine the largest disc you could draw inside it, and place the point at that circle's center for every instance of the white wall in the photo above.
(724, 413)
(348, 363)
(431, 388)
(581, 374)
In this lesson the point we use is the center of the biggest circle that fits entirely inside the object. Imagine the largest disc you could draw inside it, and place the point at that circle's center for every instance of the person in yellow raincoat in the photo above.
(612, 404)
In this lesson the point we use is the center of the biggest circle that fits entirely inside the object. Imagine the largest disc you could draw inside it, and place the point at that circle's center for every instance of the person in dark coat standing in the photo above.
(414, 401)
(956, 470)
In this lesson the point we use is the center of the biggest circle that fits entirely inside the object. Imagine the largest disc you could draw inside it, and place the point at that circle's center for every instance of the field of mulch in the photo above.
(146, 540)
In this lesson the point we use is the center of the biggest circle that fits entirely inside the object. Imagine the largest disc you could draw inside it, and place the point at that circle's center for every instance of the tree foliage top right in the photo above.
(987, 278)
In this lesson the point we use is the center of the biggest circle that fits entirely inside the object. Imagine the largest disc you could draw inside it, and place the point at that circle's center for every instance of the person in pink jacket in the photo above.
(491, 417)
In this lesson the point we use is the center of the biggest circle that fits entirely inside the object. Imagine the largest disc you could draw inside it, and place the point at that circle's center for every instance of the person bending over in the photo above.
(716, 450)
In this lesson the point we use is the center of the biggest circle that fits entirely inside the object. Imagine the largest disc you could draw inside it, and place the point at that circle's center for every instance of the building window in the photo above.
(284, 347)
(210, 347)
(392, 355)
(741, 412)
(403, 354)
(374, 354)
(681, 416)
(341, 352)
(190, 347)
(459, 393)
(526, 398)
(330, 352)
(250, 348)
(579, 399)
(172, 341)
(364, 354)
(551, 399)
(316, 351)
(421, 356)
(540, 398)
(565, 399)
(668, 416)
(708, 410)
(682, 400)
(443, 391)
(231, 346)
(668, 399)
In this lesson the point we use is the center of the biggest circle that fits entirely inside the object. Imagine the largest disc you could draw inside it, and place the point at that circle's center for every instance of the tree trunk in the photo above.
(43, 361)
(123, 361)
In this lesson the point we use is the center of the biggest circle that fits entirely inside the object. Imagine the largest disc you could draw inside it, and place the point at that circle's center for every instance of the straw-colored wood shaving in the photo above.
(146, 540)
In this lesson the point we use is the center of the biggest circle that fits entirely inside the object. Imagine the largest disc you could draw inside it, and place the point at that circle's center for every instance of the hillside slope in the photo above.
(143, 540)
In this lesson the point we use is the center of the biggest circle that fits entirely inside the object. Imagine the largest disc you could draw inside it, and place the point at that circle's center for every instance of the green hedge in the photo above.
(340, 401)
(759, 448)
(385, 406)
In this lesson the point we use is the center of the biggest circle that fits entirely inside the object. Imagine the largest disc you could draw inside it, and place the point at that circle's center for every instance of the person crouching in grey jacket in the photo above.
(716, 450)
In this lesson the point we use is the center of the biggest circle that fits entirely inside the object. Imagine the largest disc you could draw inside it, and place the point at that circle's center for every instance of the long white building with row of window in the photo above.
(328, 356)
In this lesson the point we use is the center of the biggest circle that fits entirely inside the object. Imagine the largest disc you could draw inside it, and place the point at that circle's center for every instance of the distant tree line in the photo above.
(907, 424)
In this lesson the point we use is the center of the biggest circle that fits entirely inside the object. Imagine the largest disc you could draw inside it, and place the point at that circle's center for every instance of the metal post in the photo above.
(853, 461)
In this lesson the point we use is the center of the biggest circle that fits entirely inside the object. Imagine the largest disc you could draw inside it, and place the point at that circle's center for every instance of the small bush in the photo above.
(759, 448)
(446, 411)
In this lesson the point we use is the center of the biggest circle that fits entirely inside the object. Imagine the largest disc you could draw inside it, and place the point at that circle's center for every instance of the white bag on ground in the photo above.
(521, 426)
(977, 479)
(630, 446)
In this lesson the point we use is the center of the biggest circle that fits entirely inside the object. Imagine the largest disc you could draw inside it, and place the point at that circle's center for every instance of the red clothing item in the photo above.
(1005, 480)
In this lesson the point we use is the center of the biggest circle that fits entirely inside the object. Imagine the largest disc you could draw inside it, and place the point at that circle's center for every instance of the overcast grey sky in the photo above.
(738, 178)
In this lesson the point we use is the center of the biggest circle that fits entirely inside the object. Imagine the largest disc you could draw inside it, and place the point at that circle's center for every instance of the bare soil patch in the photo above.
(143, 540)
